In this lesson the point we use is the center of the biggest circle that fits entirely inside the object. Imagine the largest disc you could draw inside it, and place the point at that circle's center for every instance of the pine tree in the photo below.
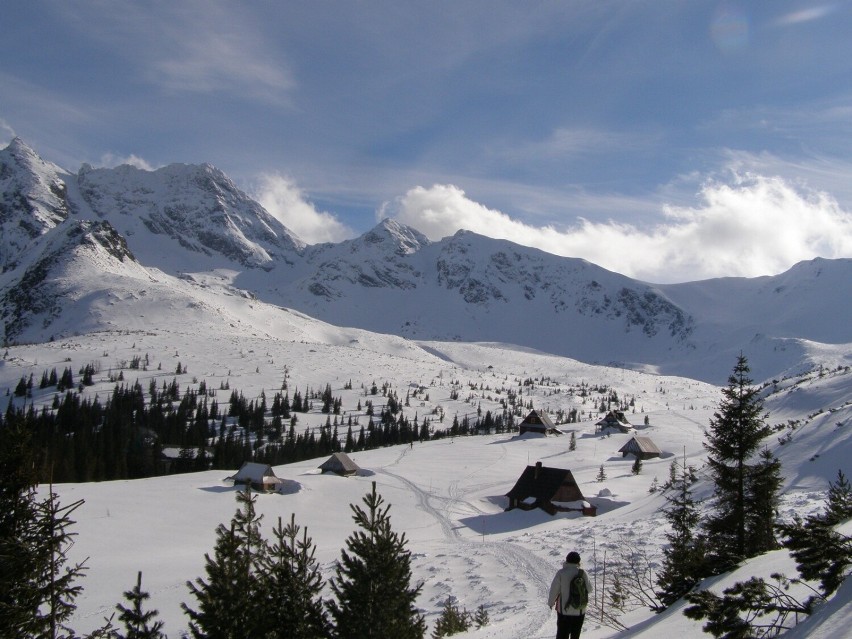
(291, 586)
(138, 623)
(601, 474)
(54, 582)
(637, 466)
(736, 431)
(839, 507)
(372, 582)
(762, 498)
(481, 617)
(227, 601)
(572, 444)
(452, 620)
(684, 556)
(37, 585)
(822, 553)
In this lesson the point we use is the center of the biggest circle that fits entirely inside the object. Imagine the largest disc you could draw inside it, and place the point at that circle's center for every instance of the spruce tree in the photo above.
(374, 598)
(684, 556)
(636, 468)
(227, 600)
(54, 582)
(138, 623)
(736, 431)
(452, 620)
(839, 506)
(762, 498)
(821, 553)
(38, 586)
(291, 586)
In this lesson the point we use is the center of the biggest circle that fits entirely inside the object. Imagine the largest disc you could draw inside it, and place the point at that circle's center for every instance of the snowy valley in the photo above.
(178, 267)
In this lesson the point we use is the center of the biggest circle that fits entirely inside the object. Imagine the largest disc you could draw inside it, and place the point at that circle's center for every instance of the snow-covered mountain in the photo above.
(192, 225)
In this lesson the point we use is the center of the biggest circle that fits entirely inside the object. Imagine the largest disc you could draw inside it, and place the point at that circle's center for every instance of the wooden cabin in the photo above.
(615, 419)
(258, 476)
(641, 447)
(538, 422)
(340, 464)
(551, 489)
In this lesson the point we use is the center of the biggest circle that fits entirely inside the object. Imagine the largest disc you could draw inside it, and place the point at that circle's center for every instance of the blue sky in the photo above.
(665, 140)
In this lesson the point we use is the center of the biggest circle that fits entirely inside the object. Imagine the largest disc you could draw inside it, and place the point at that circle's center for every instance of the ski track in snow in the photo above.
(528, 570)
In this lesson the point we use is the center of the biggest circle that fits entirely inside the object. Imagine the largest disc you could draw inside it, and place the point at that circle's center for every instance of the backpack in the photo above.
(578, 594)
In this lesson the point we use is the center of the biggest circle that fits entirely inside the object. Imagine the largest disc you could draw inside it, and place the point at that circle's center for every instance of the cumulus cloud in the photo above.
(285, 201)
(112, 160)
(754, 225)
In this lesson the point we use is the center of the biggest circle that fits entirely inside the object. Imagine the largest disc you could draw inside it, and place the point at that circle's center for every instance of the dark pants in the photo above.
(569, 626)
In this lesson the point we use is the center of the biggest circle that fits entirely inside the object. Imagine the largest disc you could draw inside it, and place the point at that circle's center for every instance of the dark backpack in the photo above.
(578, 594)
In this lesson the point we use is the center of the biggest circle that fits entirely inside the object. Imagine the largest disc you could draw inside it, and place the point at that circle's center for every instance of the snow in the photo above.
(447, 496)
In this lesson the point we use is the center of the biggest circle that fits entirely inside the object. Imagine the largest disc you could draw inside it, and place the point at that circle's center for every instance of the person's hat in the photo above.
(573, 557)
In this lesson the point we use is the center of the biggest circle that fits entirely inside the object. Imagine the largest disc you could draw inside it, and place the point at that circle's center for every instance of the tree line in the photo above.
(127, 435)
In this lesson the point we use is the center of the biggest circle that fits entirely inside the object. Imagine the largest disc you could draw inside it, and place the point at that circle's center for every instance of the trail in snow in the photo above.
(532, 573)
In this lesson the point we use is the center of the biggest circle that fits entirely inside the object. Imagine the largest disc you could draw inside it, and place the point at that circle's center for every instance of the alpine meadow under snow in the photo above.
(178, 266)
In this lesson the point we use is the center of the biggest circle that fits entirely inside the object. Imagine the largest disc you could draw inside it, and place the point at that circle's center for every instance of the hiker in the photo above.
(570, 606)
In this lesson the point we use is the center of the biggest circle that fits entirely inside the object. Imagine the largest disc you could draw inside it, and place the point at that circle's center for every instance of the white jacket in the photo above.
(560, 587)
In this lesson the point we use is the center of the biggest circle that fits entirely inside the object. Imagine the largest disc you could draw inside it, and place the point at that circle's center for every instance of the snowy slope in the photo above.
(192, 224)
(448, 496)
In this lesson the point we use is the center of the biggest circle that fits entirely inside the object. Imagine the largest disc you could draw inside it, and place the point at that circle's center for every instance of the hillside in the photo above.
(182, 228)
(448, 496)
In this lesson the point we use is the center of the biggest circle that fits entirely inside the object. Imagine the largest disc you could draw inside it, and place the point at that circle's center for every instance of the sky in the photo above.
(666, 140)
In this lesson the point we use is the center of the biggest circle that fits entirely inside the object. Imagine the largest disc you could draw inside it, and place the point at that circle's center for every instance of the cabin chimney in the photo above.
(537, 469)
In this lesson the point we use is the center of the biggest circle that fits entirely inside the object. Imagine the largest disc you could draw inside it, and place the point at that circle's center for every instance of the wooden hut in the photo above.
(551, 489)
(641, 447)
(615, 419)
(538, 422)
(258, 476)
(339, 463)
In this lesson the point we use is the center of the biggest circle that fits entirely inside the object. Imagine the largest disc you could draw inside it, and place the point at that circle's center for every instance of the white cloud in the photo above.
(7, 132)
(806, 15)
(286, 202)
(111, 160)
(755, 225)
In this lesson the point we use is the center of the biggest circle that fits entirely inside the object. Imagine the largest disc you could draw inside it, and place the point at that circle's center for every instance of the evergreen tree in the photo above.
(758, 607)
(821, 553)
(37, 585)
(53, 581)
(290, 587)
(762, 499)
(227, 601)
(839, 507)
(637, 465)
(372, 582)
(452, 620)
(572, 444)
(601, 474)
(683, 558)
(736, 431)
(138, 623)
(481, 617)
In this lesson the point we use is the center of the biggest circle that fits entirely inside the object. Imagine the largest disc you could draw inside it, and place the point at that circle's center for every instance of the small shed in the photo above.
(339, 463)
(615, 419)
(538, 422)
(641, 447)
(258, 476)
(551, 489)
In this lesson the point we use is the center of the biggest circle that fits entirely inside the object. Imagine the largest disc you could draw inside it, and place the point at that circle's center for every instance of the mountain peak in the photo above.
(33, 198)
(404, 239)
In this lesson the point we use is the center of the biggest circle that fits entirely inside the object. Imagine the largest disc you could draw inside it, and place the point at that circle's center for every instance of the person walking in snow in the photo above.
(570, 597)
